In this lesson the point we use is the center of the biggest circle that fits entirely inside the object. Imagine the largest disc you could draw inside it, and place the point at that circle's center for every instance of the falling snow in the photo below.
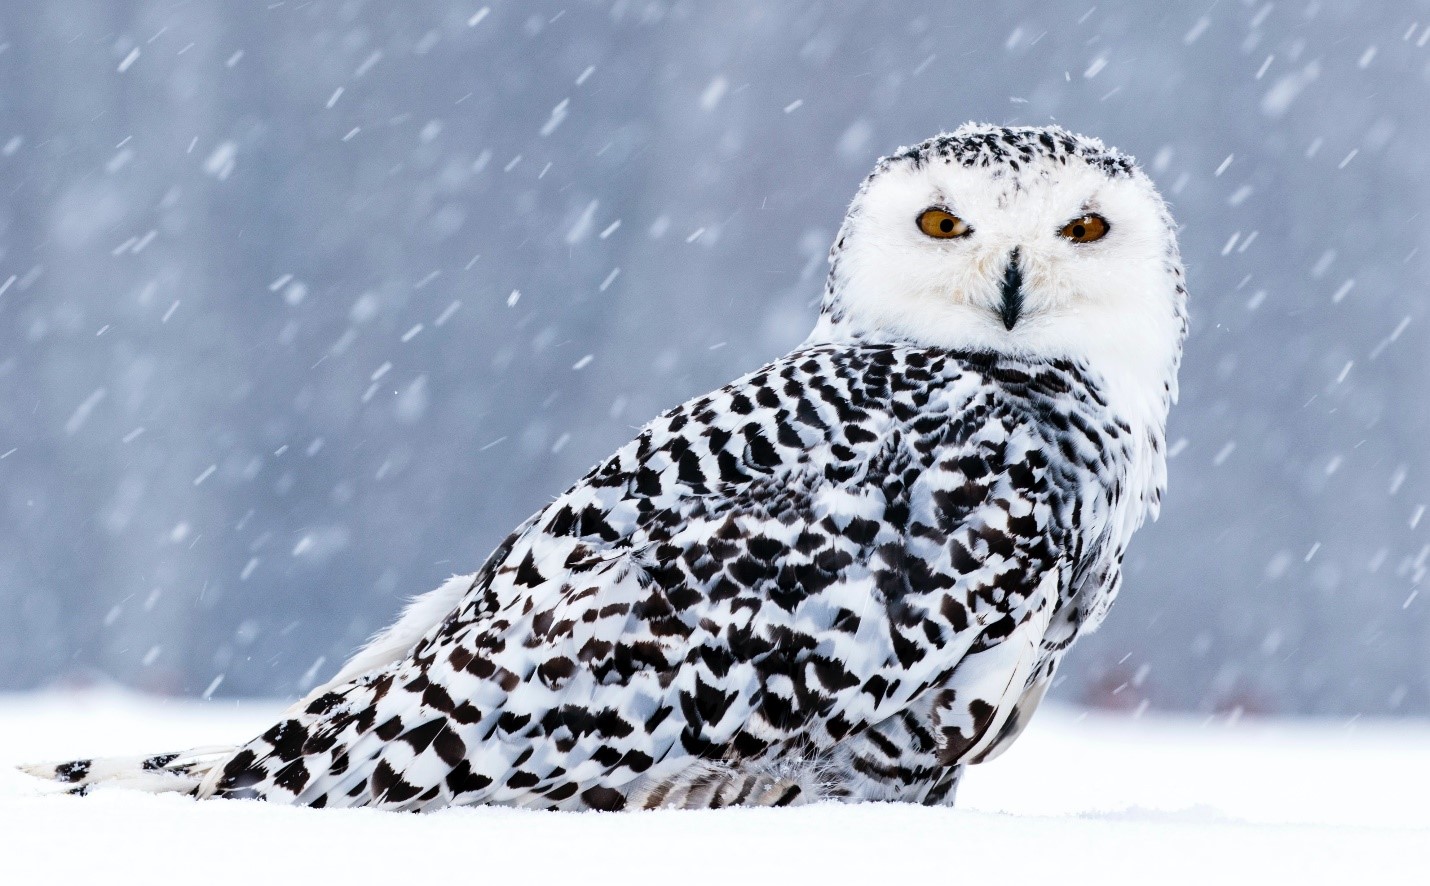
(304, 311)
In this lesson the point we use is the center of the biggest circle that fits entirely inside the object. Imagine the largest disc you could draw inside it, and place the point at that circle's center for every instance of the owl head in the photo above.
(1028, 241)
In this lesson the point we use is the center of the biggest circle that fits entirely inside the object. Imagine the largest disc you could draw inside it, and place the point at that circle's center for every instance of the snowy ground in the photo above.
(1083, 798)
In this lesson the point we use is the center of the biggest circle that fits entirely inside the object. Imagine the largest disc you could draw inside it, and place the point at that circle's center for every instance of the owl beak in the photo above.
(1012, 290)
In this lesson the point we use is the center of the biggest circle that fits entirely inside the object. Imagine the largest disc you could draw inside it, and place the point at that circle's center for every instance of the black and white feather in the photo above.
(845, 575)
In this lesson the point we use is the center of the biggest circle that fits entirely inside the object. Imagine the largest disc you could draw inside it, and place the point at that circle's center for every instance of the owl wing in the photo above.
(989, 548)
(714, 591)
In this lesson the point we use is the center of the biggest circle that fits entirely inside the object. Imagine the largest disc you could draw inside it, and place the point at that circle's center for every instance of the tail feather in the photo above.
(157, 773)
(258, 768)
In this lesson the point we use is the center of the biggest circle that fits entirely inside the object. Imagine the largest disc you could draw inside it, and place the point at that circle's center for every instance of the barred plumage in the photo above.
(845, 575)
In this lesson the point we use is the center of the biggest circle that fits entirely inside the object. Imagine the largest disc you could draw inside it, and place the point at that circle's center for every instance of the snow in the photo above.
(1081, 798)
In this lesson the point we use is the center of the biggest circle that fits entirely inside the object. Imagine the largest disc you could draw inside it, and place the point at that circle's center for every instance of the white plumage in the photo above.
(845, 575)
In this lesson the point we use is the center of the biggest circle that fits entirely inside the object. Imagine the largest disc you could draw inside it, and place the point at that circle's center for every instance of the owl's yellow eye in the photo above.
(1085, 229)
(942, 225)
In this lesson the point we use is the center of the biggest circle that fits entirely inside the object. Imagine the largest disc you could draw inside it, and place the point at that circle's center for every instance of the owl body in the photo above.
(846, 575)
(763, 576)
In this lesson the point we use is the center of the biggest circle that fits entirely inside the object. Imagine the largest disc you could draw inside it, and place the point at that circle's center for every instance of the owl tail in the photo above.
(156, 774)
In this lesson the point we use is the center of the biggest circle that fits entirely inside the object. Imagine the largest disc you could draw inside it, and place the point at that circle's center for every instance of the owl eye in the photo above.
(942, 225)
(1085, 229)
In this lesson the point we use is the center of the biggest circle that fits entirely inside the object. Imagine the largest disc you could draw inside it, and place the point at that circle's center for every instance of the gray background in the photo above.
(240, 420)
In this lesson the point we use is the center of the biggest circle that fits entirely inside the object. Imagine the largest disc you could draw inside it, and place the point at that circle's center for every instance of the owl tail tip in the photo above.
(156, 773)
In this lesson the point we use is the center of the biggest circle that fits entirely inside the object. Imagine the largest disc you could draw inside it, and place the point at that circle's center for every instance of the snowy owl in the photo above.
(844, 576)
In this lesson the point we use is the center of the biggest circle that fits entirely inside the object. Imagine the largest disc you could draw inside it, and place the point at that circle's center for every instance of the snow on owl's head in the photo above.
(1030, 241)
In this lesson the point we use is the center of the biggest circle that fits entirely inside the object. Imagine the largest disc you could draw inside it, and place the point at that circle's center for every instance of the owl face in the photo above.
(1028, 241)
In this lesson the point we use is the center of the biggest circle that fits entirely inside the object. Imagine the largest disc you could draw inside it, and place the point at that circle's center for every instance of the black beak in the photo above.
(1012, 291)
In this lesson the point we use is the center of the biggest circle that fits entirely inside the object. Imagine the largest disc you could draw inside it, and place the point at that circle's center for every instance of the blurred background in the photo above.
(304, 305)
